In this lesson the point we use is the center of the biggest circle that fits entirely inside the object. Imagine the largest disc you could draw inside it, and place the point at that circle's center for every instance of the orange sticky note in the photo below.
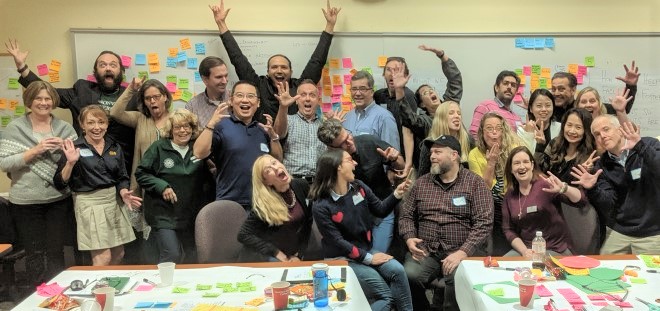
(346, 98)
(3, 103)
(177, 95)
(545, 72)
(522, 79)
(185, 44)
(334, 63)
(172, 52)
(154, 67)
(353, 71)
(327, 90)
(336, 79)
(573, 68)
(382, 61)
(325, 71)
(12, 104)
(53, 77)
(55, 65)
(346, 107)
(152, 58)
(325, 80)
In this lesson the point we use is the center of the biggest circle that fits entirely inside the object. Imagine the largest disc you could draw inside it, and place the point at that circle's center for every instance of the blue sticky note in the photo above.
(181, 57)
(200, 48)
(520, 43)
(140, 59)
(161, 305)
(550, 42)
(171, 62)
(198, 77)
(539, 43)
(145, 304)
(192, 63)
(529, 43)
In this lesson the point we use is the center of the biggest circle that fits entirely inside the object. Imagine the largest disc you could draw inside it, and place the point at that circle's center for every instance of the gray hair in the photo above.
(364, 75)
(612, 118)
(329, 130)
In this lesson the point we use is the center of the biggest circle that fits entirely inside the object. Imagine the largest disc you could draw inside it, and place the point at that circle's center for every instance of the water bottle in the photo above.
(538, 251)
(320, 274)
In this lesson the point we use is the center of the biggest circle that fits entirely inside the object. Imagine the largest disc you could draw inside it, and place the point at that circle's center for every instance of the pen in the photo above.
(503, 268)
(652, 271)
(150, 282)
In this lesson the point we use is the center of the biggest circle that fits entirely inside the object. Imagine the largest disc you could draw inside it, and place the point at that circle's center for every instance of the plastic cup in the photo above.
(90, 305)
(105, 296)
(526, 290)
(280, 294)
(166, 272)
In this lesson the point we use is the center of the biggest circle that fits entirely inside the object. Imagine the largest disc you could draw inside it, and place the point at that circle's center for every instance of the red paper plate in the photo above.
(579, 262)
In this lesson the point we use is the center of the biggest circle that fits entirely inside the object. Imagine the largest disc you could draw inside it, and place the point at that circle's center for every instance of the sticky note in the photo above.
(42, 69)
(543, 83)
(518, 71)
(200, 48)
(177, 95)
(336, 79)
(4, 120)
(126, 61)
(140, 59)
(325, 71)
(595, 297)
(145, 304)
(53, 77)
(203, 286)
(590, 61)
(382, 61)
(198, 77)
(536, 69)
(171, 87)
(183, 83)
(326, 107)
(545, 72)
(334, 63)
(517, 98)
(154, 68)
(186, 95)
(346, 107)
(13, 103)
(573, 68)
(3, 103)
(539, 43)
(600, 303)
(171, 62)
(12, 84)
(185, 44)
(582, 70)
(519, 43)
(347, 62)
(550, 43)
(347, 79)
(171, 52)
(345, 98)
(580, 79)
(192, 63)
(143, 74)
(337, 89)
(535, 84)
(181, 57)
(529, 43)
(211, 295)
(171, 78)
(523, 79)
(325, 80)
(144, 288)
(496, 292)
(336, 98)
(527, 70)
(354, 71)
(161, 305)
(367, 69)
(55, 65)
(124, 84)
(638, 280)
(19, 111)
(327, 90)
(152, 58)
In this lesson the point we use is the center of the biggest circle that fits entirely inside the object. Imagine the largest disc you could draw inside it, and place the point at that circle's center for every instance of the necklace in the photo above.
(520, 205)
(289, 195)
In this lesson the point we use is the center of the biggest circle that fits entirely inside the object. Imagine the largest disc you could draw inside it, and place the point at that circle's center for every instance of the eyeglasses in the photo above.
(512, 84)
(361, 89)
(249, 96)
(490, 129)
(182, 127)
(113, 65)
(349, 135)
(156, 97)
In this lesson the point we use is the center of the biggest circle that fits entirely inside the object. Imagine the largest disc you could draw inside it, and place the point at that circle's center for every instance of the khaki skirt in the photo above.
(102, 220)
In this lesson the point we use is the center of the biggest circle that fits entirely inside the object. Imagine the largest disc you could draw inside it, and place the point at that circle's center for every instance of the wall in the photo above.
(42, 26)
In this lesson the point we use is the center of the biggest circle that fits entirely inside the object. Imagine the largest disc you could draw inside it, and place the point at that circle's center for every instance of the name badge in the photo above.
(86, 153)
(264, 148)
(531, 209)
(636, 173)
(459, 201)
(357, 198)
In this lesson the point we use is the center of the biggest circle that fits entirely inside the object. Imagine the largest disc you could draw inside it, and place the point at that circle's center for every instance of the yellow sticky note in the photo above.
(185, 44)
(172, 52)
(535, 84)
(154, 67)
(53, 77)
(573, 68)
(152, 58)
(346, 98)
(382, 61)
(334, 63)
(12, 104)
(327, 90)
(545, 72)
(523, 79)
(55, 65)
(336, 79)
(3, 103)
(177, 95)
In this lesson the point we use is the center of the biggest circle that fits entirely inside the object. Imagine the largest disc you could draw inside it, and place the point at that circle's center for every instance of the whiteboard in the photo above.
(480, 57)
(7, 95)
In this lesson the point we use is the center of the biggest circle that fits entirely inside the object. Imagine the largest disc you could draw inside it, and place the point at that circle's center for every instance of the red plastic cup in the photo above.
(105, 296)
(526, 289)
(280, 294)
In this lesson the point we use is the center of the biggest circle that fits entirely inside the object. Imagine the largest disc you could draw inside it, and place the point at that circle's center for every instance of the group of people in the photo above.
(398, 186)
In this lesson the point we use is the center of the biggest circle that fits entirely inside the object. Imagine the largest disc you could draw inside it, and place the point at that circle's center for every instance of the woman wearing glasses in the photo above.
(495, 140)
(171, 177)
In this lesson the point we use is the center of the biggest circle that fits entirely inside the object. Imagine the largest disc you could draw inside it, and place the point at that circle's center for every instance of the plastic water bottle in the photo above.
(320, 274)
(538, 251)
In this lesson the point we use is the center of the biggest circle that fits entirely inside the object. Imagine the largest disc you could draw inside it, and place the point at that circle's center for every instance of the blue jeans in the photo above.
(383, 234)
(374, 282)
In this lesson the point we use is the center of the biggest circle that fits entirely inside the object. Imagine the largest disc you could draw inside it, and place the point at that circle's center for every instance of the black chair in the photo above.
(8, 285)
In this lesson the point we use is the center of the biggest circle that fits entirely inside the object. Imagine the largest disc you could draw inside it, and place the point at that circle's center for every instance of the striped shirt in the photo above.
(301, 147)
(493, 105)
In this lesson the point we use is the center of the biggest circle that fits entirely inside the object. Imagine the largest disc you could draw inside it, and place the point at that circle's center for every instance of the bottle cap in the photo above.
(320, 266)
(539, 233)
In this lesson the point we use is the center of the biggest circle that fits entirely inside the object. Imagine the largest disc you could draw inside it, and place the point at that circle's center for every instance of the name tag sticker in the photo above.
(264, 148)
(459, 201)
(357, 199)
(531, 209)
(86, 153)
(636, 173)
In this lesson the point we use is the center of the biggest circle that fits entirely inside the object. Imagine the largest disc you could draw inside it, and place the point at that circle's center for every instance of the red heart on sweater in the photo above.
(355, 253)
(369, 235)
(338, 217)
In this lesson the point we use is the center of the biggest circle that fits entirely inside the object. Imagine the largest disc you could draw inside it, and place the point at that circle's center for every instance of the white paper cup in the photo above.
(166, 272)
(90, 305)
(105, 296)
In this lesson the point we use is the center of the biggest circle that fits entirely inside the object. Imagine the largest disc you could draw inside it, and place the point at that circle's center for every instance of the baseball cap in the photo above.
(444, 141)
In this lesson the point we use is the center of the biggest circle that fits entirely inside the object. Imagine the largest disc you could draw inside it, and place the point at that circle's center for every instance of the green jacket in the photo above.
(162, 167)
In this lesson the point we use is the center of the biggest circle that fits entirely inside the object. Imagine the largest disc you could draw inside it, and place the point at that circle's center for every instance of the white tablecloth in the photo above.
(189, 278)
(473, 272)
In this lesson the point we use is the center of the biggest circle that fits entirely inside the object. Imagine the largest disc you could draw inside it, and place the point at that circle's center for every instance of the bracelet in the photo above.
(563, 189)
(209, 128)
(441, 55)
(22, 69)
(276, 138)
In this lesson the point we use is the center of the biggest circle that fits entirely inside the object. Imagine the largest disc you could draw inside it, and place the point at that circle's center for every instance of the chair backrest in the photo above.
(583, 225)
(7, 228)
(216, 228)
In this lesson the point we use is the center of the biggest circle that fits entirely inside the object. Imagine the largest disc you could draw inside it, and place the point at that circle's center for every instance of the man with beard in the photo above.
(214, 73)
(447, 217)
(298, 131)
(506, 85)
(108, 72)
(279, 66)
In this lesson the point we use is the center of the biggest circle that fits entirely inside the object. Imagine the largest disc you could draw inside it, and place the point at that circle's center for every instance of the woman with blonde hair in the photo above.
(280, 222)
(495, 140)
(589, 99)
(447, 120)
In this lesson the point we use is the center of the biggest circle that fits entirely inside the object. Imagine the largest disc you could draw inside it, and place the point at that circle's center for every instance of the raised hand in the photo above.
(330, 14)
(221, 112)
(338, 114)
(70, 151)
(398, 77)
(169, 195)
(438, 52)
(283, 96)
(220, 15)
(539, 136)
(631, 133)
(493, 153)
(132, 202)
(620, 100)
(555, 184)
(15, 51)
(402, 188)
(380, 258)
(390, 154)
(416, 252)
(632, 75)
(589, 162)
(583, 177)
(136, 83)
(268, 127)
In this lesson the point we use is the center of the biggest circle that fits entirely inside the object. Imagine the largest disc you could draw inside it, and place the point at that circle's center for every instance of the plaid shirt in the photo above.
(301, 147)
(457, 218)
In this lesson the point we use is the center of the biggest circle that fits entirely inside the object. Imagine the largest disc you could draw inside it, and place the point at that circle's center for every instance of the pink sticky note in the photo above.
(527, 70)
(347, 79)
(580, 79)
(91, 78)
(600, 303)
(582, 70)
(577, 307)
(623, 304)
(337, 90)
(49, 290)
(613, 297)
(124, 84)
(595, 297)
(326, 107)
(171, 87)
(336, 98)
(347, 62)
(144, 288)
(542, 291)
(517, 98)
(575, 301)
(126, 61)
(42, 69)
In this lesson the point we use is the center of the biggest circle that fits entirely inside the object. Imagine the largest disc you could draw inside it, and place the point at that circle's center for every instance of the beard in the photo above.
(439, 168)
(116, 82)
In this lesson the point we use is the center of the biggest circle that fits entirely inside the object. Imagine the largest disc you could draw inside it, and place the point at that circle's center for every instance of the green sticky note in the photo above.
(230, 289)
(186, 95)
(224, 285)
(211, 295)
(143, 74)
(243, 284)
(247, 288)
(496, 292)
(12, 84)
(590, 61)
(518, 71)
(536, 69)
(20, 110)
(368, 69)
(183, 83)
(204, 286)
(180, 290)
(543, 83)
(4, 120)
(638, 280)
(171, 78)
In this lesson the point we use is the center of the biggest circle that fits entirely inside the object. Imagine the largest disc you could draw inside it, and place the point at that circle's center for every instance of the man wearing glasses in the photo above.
(235, 140)
(505, 88)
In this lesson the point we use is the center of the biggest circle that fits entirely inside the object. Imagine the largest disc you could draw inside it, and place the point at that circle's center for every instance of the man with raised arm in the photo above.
(279, 66)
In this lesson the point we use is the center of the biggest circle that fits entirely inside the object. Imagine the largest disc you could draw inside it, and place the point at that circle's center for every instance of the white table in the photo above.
(189, 278)
(473, 272)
